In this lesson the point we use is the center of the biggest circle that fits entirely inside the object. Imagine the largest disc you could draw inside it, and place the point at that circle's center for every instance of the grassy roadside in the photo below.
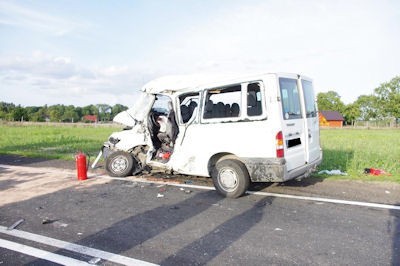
(348, 150)
(353, 150)
(52, 141)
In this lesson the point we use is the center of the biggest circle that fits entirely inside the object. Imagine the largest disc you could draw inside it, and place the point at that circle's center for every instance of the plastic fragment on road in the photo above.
(94, 261)
(332, 172)
(16, 224)
(160, 195)
(375, 171)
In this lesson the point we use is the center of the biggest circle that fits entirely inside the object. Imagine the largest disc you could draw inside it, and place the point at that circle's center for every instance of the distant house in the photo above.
(330, 119)
(89, 118)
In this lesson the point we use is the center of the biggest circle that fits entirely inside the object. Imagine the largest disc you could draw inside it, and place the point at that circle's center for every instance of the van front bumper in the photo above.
(274, 169)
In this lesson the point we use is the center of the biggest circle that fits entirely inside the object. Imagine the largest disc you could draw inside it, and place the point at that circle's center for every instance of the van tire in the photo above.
(120, 164)
(231, 178)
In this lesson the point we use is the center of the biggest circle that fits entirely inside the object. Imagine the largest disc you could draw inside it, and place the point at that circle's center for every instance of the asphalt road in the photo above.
(184, 227)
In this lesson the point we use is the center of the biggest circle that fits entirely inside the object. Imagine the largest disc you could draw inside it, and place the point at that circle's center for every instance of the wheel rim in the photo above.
(119, 164)
(228, 179)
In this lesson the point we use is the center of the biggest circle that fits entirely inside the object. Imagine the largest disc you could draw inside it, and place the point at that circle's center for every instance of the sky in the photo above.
(96, 51)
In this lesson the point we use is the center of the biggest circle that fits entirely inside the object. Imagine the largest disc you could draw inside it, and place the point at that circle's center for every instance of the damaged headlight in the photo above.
(113, 140)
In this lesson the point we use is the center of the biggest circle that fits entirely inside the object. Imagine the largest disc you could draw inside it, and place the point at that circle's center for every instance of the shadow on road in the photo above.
(204, 249)
(35, 162)
(133, 231)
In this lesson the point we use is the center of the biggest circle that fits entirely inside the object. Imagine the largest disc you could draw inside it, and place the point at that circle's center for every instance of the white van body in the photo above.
(263, 128)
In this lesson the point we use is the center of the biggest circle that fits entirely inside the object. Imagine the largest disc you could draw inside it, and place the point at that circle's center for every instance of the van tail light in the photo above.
(280, 153)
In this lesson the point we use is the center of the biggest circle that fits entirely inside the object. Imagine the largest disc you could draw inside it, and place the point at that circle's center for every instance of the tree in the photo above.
(104, 111)
(117, 108)
(388, 98)
(56, 112)
(351, 112)
(69, 115)
(368, 107)
(19, 114)
(330, 101)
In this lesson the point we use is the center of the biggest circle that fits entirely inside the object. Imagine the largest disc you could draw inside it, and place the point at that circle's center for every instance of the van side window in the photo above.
(254, 107)
(188, 106)
(290, 98)
(311, 110)
(223, 102)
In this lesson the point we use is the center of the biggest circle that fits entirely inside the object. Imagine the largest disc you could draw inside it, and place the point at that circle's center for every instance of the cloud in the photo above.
(16, 15)
(59, 78)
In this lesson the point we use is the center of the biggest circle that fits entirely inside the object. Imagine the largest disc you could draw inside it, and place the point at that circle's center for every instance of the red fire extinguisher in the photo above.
(81, 168)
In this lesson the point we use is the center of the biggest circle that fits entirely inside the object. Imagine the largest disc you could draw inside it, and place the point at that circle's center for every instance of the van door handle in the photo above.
(290, 125)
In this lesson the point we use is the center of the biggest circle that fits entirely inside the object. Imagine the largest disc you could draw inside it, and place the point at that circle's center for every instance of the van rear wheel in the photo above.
(120, 164)
(231, 178)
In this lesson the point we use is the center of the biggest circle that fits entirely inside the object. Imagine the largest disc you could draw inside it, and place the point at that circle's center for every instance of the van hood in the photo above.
(137, 113)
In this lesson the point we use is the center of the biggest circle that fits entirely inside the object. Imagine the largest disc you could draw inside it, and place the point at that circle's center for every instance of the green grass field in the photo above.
(353, 150)
(349, 150)
(52, 141)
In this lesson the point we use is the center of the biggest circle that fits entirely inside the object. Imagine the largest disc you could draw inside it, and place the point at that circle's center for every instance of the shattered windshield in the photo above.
(141, 107)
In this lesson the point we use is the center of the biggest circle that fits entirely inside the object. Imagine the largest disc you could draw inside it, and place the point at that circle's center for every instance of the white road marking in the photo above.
(41, 254)
(73, 247)
(277, 195)
(336, 201)
(260, 193)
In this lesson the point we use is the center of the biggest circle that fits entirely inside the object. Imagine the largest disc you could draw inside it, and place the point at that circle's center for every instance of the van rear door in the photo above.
(312, 124)
(293, 125)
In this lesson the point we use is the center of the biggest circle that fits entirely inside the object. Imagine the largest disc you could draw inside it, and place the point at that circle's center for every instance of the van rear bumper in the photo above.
(274, 169)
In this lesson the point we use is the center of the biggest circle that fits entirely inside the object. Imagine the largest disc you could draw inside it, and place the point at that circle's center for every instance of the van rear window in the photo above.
(290, 98)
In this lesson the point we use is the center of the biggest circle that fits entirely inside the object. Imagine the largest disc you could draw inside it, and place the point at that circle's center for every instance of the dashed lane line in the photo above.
(41, 254)
(68, 246)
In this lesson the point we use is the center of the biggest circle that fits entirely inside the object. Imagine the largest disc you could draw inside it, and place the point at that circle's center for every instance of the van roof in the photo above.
(175, 83)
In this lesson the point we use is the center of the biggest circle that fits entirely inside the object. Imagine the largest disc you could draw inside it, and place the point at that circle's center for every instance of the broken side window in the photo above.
(254, 106)
(188, 104)
(223, 102)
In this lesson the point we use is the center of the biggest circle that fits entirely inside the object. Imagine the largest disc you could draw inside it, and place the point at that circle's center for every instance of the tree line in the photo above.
(382, 104)
(58, 113)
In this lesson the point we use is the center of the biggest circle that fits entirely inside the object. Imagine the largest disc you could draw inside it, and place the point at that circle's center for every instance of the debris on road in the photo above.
(60, 224)
(160, 195)
(375, 171)
(48, 221)
(94, 261)
(16, 224)
(332, 172)
(187, 191)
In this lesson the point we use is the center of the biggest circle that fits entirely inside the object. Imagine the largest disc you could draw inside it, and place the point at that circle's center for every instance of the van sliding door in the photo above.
(293, 122)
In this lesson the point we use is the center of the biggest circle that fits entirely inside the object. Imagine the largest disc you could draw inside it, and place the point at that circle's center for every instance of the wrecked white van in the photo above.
(261, 128)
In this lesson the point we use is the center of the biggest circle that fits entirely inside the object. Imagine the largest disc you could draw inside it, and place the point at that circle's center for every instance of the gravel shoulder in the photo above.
(378, 192)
